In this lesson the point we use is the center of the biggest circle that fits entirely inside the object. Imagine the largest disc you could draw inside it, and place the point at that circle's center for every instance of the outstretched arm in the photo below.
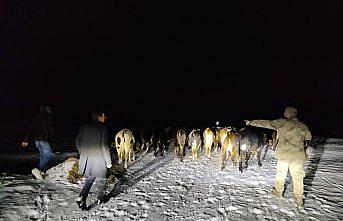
(269, 124)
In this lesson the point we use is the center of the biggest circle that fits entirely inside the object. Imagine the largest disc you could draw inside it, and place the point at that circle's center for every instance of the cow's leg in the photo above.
(182, 150)
(181, 153)
(223, 161)
(259, 150)
(209, 151)
(128, 152)
(162, 148)
(234, 161)
(196, 152)
(211, 148)
(147, 146)
(133, 154)
(227, 153)
(223, 158)
(126, 156)
(177, 152)
(234, 157)
(240, 164)
(247, 158)
(159, 149)
(265, 152)
(119, 151)
(193, 153)
(142, 146)
(122, 155)
(156, 149)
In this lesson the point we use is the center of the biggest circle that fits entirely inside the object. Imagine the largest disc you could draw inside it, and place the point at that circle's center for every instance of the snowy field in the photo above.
(166, 189)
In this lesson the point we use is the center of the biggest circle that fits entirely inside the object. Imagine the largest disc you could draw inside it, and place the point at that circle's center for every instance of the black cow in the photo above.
(143, 140)
(250, 143)
(159, 141)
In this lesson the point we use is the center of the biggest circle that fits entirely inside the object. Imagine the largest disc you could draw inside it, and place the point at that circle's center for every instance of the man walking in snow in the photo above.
(290, 153)
(93, 143)
(41, 133)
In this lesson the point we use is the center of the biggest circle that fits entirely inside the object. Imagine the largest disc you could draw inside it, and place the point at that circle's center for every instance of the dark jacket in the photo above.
(40, 128)
(93, 143)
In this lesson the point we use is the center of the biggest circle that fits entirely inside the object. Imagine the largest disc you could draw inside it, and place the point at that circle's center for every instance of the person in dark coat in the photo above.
(93, 143)
(41, 132)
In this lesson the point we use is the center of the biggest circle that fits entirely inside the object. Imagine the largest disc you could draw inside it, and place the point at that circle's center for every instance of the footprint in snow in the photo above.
(282, 210)
(231, 208)
(274, 207)
(257, 211)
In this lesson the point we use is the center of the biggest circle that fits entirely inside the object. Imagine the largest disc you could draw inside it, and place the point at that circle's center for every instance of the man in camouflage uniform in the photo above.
(290, 153)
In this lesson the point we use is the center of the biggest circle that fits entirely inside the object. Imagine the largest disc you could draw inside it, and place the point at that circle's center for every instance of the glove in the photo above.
(247, 122)
(109, 166)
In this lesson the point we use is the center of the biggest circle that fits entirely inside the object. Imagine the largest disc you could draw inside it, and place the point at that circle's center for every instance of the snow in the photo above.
(164, 188)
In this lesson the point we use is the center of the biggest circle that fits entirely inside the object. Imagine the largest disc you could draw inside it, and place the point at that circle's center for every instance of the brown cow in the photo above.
(230, 149)
(216, 141)
(194, 141)
(222, 135)
(181, 137)
(208, 136)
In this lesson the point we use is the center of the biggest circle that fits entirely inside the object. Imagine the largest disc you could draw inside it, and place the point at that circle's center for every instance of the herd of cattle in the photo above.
(237, 146)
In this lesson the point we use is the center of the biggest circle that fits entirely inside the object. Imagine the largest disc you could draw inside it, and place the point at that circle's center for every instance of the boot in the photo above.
(37, 174)
(102, 200)
(277, 193)
(81, 202)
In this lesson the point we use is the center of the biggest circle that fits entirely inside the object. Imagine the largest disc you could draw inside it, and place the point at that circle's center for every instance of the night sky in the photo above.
(171, 62)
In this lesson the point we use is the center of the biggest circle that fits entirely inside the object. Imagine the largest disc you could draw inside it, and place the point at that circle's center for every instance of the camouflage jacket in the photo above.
(291, 135)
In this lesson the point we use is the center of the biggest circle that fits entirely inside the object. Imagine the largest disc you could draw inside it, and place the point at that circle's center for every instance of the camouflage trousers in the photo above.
(296, 169)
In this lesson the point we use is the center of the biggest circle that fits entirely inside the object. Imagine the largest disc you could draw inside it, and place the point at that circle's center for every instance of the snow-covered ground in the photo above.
(166, 189)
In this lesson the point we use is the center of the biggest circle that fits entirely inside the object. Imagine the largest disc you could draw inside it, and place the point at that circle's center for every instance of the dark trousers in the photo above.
(100, 184)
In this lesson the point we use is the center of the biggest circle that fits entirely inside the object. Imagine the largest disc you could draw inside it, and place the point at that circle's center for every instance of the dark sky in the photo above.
(170, 61)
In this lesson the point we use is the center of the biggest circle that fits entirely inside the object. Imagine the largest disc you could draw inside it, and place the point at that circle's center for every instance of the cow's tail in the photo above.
(240, 154)
(239, 145)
